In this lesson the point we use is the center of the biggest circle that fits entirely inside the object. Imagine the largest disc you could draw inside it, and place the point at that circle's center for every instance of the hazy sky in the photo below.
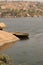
(35, 0)
(30, 0)
(23, 0)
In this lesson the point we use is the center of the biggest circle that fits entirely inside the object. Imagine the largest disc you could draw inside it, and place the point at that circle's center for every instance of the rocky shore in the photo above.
(21, 9)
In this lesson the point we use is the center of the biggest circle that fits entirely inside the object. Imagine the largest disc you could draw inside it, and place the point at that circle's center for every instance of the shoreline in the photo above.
(7, 38)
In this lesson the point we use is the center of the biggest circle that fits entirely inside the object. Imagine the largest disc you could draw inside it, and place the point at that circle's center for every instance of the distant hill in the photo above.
(21, 9)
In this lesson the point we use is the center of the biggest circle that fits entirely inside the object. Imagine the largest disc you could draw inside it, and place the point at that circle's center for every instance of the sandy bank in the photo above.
(6, 37)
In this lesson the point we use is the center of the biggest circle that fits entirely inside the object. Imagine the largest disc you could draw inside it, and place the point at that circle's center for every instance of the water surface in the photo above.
(26, 51)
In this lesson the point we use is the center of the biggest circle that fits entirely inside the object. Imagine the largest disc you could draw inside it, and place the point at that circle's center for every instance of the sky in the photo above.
(23, 0)
(36, 0)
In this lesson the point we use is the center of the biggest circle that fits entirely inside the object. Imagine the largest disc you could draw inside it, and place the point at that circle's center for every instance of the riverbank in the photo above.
(21, 9)
(6, 38)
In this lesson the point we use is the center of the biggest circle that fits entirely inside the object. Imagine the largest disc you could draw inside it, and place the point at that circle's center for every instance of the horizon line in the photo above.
(22, 0)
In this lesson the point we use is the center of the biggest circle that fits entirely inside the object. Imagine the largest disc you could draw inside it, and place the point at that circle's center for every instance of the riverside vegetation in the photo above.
(21, 9)
(6, 60)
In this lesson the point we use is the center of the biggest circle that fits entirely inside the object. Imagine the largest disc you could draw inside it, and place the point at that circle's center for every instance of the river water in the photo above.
(30, 51)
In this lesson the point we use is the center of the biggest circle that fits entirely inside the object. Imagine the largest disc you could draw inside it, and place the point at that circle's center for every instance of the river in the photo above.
(30, 51)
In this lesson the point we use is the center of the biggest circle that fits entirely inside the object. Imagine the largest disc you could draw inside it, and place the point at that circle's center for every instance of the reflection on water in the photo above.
(4, 47)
